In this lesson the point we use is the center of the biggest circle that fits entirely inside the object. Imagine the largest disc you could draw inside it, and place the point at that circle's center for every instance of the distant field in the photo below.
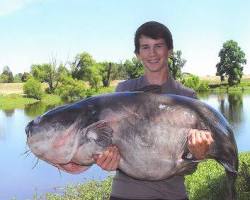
(11, 88)
(216, 79)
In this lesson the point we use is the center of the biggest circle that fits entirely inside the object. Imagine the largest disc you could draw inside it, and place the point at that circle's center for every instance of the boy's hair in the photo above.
(154, 30)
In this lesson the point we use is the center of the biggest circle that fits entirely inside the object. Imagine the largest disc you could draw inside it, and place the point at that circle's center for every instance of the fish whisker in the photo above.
(26, 153)
(59, 171)
(37, 160)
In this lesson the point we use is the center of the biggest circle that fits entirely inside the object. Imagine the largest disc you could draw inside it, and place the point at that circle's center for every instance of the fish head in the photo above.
(61, 138)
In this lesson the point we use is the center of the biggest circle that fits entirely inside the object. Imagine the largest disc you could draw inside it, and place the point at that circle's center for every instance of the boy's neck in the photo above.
(156, 78)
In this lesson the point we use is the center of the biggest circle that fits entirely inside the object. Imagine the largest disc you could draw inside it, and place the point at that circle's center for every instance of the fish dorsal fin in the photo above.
(151, 89)
(100, 132)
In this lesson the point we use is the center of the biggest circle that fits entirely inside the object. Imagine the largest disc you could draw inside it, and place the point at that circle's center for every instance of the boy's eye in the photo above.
(159, 45)
(144, 47)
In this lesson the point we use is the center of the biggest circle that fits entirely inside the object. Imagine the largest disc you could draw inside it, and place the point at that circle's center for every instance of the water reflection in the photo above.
(35, 109)
(203, 95)
(231, 106)
(9, 113)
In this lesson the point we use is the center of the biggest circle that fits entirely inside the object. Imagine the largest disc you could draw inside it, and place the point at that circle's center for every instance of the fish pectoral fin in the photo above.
(188, 156)
(186, 167)
(100, 132)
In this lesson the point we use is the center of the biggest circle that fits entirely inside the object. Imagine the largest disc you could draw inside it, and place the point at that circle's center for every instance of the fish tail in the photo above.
(231, 180)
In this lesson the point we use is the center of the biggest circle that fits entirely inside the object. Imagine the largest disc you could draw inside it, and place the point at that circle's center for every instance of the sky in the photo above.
(37, 31)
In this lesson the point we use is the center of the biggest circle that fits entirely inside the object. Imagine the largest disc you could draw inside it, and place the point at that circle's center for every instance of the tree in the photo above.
(45, 73)
(4, 78)
(7, 75)
(81, 63)
(231, 62)
(25, 76)
(175, 64)
(18, 78)
(105, 72)
(133, 68)
(109, 71)
(48, 73)
(94, 78)
(63, 73)
(118, 72)
(33, 88)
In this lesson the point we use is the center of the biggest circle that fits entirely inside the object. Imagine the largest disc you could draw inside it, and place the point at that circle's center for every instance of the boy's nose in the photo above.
(152, 51)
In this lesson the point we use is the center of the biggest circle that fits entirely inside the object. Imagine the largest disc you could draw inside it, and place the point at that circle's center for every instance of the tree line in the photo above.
(85, 75)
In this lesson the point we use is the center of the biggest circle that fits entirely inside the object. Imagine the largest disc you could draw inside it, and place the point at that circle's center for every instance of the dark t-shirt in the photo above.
(129, 188)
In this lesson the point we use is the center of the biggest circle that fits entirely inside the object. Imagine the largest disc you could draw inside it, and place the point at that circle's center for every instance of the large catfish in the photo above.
(150, 131)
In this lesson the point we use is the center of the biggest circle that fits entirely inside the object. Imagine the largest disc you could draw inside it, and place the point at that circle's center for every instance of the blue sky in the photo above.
(35, 31)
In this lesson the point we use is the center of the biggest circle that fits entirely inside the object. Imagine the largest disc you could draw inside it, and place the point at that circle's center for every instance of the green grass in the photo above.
(51, 99)
(217, 86)
(12, 101)
(207, 183)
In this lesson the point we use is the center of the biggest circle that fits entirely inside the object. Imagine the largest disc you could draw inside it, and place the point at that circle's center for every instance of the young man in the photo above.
(153, 45)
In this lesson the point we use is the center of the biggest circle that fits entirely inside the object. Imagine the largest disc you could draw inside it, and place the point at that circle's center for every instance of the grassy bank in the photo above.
(207, 183)
(11, 96)
(216, 85)
(13, 101)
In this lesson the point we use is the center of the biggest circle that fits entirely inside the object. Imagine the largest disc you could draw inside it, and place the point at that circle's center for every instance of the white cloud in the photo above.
(9, 6)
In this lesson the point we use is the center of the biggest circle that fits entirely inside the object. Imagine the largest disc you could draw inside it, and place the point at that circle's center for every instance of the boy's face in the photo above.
(153, 53)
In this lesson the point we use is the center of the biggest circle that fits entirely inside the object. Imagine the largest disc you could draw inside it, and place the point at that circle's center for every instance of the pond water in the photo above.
(20, 179)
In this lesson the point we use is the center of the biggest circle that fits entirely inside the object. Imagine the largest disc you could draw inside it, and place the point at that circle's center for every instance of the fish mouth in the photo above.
(72, 167)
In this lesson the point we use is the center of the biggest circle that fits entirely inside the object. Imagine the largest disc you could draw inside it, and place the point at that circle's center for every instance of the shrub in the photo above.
(203, 86)
(210, 182)
(92, 190)
(71, 89)
(195, 83)
(33, 88)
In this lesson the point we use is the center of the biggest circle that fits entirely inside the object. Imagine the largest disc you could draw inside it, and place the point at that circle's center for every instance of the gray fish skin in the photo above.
(150, 131)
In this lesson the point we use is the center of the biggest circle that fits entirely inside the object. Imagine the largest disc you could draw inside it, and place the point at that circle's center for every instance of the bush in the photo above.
(203, 86)
(33, 88)
(92, 190)
(71, 89)
(195, 83)
(210, 182)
